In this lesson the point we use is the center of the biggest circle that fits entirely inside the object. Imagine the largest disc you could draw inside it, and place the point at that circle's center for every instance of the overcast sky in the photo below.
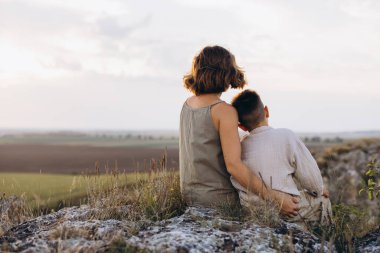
(118, 64)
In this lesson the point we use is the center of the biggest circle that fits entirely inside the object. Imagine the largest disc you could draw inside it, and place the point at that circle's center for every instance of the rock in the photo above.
(194, 231)
(370, 242)
(343, 166)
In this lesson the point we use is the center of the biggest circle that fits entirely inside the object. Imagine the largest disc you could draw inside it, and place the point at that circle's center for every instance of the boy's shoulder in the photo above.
(278, 133)
(286, 134)
(284, 131)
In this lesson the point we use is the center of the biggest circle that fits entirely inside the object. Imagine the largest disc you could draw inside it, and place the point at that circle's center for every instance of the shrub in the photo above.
(349, 222)
(371, 177)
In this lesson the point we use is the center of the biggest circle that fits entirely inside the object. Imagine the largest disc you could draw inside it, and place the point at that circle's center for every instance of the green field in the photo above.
(54, 191)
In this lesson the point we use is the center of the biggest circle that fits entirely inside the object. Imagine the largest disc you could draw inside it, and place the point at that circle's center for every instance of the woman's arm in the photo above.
(229, 136)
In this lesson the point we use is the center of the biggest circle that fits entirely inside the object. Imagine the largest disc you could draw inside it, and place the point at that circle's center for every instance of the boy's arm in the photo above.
(307, 172)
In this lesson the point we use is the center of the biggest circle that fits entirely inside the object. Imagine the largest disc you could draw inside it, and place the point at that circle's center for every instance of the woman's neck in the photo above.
(203, 100)
(210, 96)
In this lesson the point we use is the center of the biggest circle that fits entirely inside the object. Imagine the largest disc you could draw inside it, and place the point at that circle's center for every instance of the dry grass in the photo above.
(13, 211)
(64, 233)
(346, 147)
(264, 212)
(259, 211)
(153, 196)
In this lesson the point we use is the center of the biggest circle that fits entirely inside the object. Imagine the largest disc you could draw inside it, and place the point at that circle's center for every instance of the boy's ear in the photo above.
(266, 110)
(242, 127)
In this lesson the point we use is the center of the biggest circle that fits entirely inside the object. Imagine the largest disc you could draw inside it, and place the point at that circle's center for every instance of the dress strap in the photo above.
(221, 101)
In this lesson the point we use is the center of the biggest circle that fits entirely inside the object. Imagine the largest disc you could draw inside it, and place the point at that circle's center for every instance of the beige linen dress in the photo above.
(204, 178)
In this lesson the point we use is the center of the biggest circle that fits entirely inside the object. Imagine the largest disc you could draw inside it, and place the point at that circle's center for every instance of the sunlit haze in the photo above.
(118, 64)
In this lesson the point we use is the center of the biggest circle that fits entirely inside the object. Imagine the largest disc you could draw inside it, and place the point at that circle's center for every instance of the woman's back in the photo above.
(204, 177)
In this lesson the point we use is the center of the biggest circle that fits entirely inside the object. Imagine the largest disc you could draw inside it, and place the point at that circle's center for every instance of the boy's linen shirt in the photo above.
(276, 156)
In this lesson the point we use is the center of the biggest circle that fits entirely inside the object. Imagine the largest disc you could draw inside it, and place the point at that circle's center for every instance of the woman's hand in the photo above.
(325, 193)
(289, 204)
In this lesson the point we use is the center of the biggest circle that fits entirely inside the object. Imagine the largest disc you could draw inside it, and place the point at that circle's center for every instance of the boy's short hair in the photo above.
(214, 70)
(250, 108)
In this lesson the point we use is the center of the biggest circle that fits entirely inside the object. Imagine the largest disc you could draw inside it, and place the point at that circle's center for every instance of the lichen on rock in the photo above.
(197, 230)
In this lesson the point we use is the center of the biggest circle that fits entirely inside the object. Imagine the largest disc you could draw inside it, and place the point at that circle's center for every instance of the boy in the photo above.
(282, 161)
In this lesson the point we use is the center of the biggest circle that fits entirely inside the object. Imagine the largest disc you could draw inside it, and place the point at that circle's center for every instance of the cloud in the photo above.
(110, 26)
(33, 19)
(363, 9)
(63, 63)
(59, 37)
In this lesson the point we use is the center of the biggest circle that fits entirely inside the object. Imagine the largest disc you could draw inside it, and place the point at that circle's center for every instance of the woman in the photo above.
(209, 141)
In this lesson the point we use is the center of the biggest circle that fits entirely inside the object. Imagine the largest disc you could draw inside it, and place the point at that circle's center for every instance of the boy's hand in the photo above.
(288, 204)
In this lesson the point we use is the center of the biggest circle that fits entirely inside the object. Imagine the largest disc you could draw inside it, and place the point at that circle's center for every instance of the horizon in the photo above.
(140, 131)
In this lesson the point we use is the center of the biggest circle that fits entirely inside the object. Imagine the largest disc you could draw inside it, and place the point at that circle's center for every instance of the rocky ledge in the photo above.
(197, 230)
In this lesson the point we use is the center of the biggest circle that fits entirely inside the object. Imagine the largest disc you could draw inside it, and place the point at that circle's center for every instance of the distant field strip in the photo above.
(64, 159)
(52, 190)
(85, 140)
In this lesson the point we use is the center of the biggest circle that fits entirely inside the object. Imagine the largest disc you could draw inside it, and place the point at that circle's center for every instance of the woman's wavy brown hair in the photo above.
(214, 70)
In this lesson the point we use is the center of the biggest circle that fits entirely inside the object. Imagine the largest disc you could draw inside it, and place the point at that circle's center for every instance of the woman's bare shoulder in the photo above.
(224, 110)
